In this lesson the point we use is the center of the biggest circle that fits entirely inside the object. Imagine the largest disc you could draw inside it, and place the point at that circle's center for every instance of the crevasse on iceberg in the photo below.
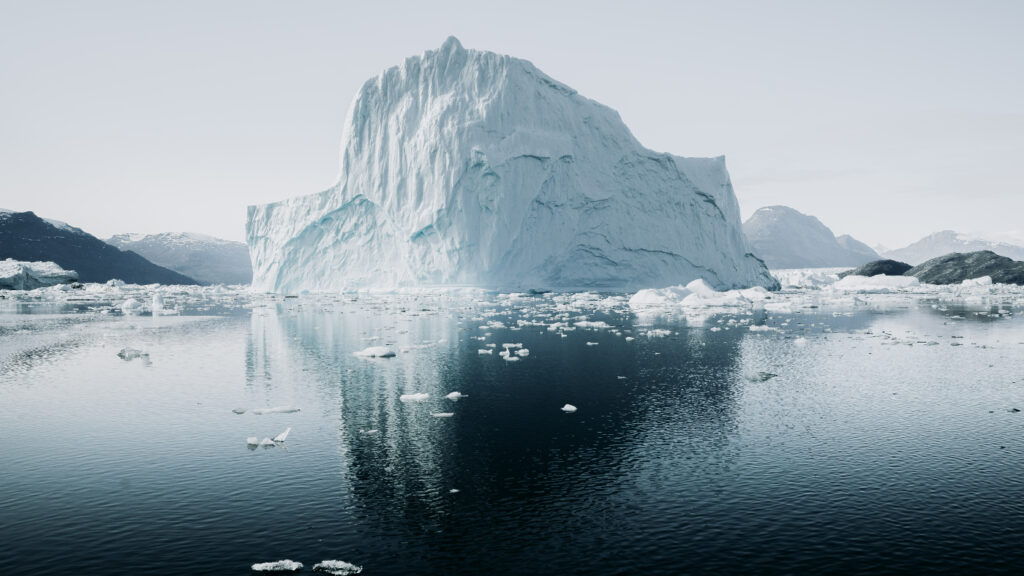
(464, 167)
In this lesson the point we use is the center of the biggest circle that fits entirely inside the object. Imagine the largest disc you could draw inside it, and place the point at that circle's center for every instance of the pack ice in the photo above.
(466, 167)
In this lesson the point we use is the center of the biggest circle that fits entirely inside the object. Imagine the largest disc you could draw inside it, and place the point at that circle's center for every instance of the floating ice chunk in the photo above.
(442, 414)
(418, 397)
(592, 343)
(508, 346)
(658, 333)
(376, 352)
(592, 324)
(801, 341)
(275, 410)
(482, 351)
(523, 352)
(455, 396)
(655, 298)
(568, 408)
(453, 491)
(252, 440)
(983, 281)
(131, 354)
(759, 328)
(510, 358)
(762, 376)
(279, 566)
(267, 443)
(158, 304)
(630, 338)
(131, 306)
(238, 410)
(879, 283)
(337, 568)
(620, 377)
(283, 435)
(368, 432)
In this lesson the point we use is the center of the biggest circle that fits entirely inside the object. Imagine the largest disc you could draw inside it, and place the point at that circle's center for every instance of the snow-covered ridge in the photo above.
(206, 258)
(465, 167)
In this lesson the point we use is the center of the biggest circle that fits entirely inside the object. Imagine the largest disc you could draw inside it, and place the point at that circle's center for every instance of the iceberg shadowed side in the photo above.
(465, 167)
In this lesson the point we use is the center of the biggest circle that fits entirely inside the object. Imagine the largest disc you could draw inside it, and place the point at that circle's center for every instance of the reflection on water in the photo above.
(884, 442)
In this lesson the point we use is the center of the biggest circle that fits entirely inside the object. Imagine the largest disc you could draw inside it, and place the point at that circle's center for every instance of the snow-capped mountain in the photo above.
(207, 259)
(465, 167)
(947, 242)
(786, 238)
(29, 238)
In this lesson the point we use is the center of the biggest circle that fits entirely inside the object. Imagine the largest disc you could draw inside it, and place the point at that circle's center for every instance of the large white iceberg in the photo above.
(16, 275)
(465, 167)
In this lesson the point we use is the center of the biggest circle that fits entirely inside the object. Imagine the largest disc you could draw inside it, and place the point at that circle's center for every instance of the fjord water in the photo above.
(886, 442)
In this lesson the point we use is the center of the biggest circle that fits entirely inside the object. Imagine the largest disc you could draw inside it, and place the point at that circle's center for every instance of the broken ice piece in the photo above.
(453, 491)
(376, 352)
(337, 568)
(279, 566)
(568, 408)
(252, 441)
(373, 431)
(418, 397)
(511, 358)
(761, 376)
(131, 354)
(482, 351)
(275, 410)
(523, 352)
(239, 410)
(267, 443)
(591, 343)
(442, 414)
(282, 436)
(455, 396)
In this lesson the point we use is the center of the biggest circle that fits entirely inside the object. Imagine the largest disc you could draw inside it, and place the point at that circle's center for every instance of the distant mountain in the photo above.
(207, 259)
(27, 237)
(786, 238)
(947, 242)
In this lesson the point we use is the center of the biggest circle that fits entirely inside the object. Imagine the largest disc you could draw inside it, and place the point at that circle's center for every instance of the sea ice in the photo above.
(880, 283)
(418, 397)
(442, 414)
(523, 352)
(483, 351)
(337, 568)
(252, 440)
(568, 408)
(376, 352)
(279, 566)
(282, 436)
(131, 354)
(275, 410)
(456, 396)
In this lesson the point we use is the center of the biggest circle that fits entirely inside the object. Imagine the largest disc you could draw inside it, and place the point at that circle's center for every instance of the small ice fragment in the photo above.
(158, 304)
(283, 435)
(591, 343)
(131, 354)
(455, 396)
(418, 397)
(252, 441)
(267, 443)
(279, 566)
(275, 410)
(630, 338)
(801, 341)
(523, 352)
(620, 377)
(453, 491)
(238, 410)
(568, 408)
(376, 352)
(510, 345)
(337, 568)
(131, 306)
(761, 376)
(485, 351)
(442, 414)
(510, 358)
(372, 431)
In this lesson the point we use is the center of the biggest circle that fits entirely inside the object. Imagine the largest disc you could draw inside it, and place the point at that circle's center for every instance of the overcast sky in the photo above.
(887, 120)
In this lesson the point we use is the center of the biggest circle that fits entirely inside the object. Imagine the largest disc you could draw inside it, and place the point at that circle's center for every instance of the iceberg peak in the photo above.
(466, 167)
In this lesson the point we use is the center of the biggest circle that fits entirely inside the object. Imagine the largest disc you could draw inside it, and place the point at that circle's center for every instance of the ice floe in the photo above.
(417, 397)
(275, 410)
(376, 352)
(278, 566)
(283, 435)
(337, 568)
(455, 396)
(568, 408)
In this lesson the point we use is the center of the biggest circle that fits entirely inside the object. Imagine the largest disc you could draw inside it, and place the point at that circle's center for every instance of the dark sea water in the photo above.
(885, 444)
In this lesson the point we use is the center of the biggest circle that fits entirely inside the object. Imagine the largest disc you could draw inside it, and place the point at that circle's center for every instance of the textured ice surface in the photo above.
(337, 568)
(16, 275)
(279, 566)
(465, 167)
(568, 408)
(376, 352)
(275, 410)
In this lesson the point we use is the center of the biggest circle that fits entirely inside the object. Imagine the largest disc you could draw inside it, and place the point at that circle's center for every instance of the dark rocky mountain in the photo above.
(957, 267)
(27, 237)
(207, 259)
(786, 238)
(887, 267)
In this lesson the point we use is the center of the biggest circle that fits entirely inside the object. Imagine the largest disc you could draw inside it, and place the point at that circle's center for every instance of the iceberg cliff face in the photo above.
(465, 167)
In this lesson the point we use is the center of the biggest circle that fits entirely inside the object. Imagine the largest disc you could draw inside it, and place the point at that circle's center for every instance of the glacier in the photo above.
(470, 168)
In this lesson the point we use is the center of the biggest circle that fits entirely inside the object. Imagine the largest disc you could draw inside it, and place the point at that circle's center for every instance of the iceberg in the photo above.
(568, 408)
(337, 568)
(466, 167)
(279, 566)
(16, 275)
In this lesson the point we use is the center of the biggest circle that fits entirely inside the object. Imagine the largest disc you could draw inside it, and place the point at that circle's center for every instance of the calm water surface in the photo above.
(886, 442)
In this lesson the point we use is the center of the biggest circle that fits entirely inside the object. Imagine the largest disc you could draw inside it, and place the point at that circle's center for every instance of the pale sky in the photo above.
(887, 120)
